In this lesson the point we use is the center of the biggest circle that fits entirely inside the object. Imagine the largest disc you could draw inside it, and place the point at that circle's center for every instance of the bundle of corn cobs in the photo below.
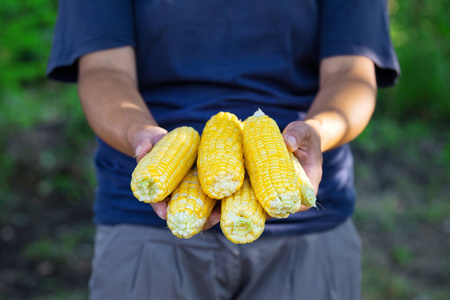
(275, 181)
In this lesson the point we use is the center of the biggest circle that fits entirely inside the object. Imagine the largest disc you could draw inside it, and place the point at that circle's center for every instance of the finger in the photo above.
(158, 136)
(213, 219)
(291, 141)
(293, 134)
(303, 208)
(142, 146)
(313, 169)
(160, 209)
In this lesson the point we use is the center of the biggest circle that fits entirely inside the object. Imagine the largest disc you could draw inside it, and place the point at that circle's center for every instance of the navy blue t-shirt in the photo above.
(198, 57)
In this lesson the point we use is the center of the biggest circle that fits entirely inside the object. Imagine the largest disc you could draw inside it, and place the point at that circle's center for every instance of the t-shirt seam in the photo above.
(350, 43)
(64, 54)
(380, 60)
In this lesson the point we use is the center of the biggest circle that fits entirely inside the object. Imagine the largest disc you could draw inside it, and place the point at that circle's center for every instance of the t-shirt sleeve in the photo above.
(359, 27)
(85, 26)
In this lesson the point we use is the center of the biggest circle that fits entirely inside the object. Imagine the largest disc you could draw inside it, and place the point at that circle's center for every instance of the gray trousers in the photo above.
(137, 262)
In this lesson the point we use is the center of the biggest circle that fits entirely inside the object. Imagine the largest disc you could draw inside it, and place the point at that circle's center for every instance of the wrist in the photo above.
(331, 128)
(316, 125)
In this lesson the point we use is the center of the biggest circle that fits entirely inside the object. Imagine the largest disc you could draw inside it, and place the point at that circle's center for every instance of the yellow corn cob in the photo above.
(269, 166)
(189, 207)
(220, 156)
(161, 170)
(242, 219)
(308, 195)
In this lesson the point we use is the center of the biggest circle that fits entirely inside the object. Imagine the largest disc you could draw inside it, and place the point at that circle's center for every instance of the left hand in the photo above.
(303, 140)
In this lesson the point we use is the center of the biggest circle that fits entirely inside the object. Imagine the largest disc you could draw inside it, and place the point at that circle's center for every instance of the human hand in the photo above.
(214, 218)
(144, 140)
(303, 140)
(142, 143)
(306, 147)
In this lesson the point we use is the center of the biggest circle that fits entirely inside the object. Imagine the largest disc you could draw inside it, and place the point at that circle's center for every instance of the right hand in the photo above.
(144, 140)
(142, 143)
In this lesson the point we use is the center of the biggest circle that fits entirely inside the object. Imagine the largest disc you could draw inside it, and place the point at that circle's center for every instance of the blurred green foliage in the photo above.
(420, 32)
(403, 212)
(25, 42)
(27, 98)
(46, 177)
(47, 181)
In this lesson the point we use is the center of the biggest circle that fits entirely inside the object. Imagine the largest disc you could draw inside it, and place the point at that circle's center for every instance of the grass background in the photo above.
(402, 163)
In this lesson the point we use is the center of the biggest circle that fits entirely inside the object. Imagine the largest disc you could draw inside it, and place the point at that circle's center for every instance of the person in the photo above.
(144, 68)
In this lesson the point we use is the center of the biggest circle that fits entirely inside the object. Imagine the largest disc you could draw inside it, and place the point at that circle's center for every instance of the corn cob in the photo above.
(189, 207)
(308, 195)
(220, 156)
(242, 217)
(269, 166)
(160, 171)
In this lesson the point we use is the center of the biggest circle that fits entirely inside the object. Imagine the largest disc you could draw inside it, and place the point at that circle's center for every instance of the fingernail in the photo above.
(159, 213)
(138, 150)
(215, 220)
(292, 142)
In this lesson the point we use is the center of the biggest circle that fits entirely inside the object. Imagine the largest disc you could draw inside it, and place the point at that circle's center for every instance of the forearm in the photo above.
(344, 105)
(113, 107)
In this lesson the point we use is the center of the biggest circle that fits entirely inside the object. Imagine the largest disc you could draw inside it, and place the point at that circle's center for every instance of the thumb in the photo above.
(291, 140)
(142, 146)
